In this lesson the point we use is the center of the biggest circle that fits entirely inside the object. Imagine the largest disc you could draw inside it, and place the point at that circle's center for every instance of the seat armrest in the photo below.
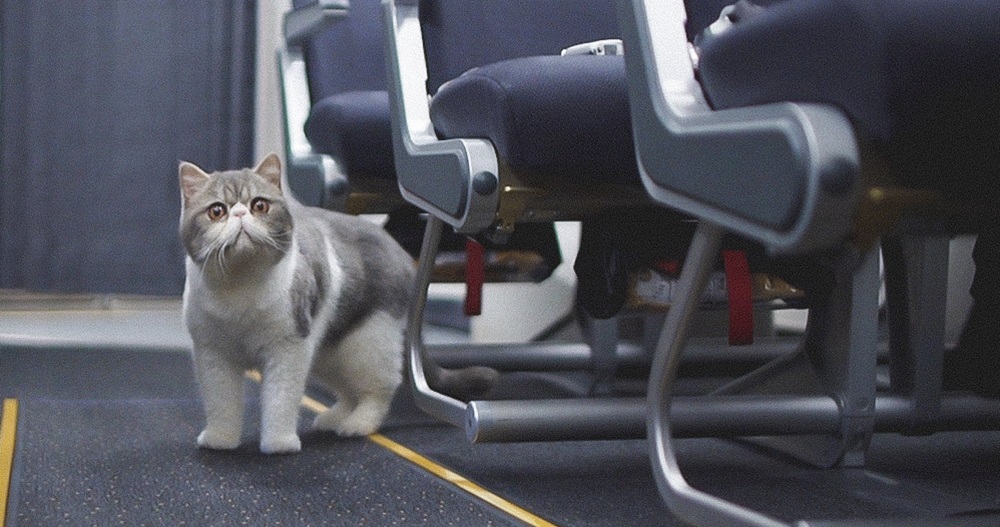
(456, 180)
(787, 175)
(302, 23)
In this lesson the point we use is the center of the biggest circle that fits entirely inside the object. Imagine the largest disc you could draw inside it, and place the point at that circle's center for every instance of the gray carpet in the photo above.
(134, 463)
(107, 438)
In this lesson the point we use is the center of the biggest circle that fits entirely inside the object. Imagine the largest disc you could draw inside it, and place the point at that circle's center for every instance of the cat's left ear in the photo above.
(270, 169)
(191, 178)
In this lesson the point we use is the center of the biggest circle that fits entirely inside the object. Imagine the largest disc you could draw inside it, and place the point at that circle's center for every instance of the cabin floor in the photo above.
(101, 412)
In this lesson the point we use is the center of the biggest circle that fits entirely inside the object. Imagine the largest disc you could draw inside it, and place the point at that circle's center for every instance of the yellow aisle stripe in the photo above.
(438, 470)
(461, 482)
(8, 430)
(444, 473)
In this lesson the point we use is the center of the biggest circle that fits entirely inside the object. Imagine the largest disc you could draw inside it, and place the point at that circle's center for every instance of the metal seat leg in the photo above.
(689, 503)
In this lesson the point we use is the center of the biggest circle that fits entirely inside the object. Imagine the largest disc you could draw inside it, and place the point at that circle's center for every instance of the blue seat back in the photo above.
(348, 56)
(462, 34)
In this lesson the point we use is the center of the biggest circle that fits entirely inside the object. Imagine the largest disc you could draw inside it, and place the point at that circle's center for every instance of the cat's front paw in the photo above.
(286, 444)
(215, 440)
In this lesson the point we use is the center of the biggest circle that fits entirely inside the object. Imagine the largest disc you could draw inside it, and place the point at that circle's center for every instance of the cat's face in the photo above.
(234, 219)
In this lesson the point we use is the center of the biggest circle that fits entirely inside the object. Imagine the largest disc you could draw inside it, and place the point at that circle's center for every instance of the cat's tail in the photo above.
(463, 384)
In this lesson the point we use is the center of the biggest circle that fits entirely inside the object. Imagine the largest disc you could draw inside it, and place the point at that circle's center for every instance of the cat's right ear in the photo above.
(191, 178)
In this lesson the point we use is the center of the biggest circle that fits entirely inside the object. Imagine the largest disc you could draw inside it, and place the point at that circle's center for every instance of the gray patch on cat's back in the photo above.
(385, 269)
(305, 296)
(310, 281)
(376, 274)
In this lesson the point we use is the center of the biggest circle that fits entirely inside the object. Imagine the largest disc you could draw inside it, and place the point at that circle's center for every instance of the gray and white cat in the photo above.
(291, 291)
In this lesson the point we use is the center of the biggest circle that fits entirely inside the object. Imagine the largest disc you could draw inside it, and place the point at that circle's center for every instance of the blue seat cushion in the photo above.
(552, 114)
(920, 79)
(355, 128)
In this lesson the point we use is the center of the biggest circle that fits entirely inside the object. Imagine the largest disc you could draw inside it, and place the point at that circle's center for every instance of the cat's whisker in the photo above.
(221, 257)
(274, 241)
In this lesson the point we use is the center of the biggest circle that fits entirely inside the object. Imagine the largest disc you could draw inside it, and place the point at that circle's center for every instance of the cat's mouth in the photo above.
(245, 230)
(243, 240)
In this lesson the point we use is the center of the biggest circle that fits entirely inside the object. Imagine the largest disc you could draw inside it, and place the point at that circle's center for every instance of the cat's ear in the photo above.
(191, 178)
(270, 169)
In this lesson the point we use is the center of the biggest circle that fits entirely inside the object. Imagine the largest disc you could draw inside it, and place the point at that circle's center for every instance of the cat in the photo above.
(292, 291)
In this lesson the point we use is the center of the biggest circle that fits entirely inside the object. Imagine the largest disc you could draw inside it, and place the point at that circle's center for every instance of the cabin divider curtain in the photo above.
(100, 100)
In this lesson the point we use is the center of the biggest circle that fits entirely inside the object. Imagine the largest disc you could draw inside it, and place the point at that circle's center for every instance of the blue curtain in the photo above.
(100, 99)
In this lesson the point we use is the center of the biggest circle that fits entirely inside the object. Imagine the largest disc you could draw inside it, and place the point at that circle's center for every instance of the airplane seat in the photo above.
(561, 130)
(495, 132)
(346, 124)
(556, 125)
(916, 79)
(349, 115)
(844, 130)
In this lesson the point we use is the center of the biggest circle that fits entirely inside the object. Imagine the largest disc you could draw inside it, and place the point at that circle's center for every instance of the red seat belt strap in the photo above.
(740, 295)
(475, 276)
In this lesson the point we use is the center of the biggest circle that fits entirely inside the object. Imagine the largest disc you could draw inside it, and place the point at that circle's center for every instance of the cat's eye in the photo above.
(216, 211)
(260, 206)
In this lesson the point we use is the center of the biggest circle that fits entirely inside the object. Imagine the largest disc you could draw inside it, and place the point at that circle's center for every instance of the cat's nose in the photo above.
(239, 210)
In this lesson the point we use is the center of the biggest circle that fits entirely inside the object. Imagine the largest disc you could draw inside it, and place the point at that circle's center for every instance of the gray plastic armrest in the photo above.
(300, 24)
(787, 175)
(456, 180)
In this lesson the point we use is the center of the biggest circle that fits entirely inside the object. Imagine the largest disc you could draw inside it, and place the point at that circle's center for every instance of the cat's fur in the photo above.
(291, 291)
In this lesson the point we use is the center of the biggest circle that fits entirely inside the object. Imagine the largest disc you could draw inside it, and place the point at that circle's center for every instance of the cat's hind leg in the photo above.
(331, 418)
(326, 371)
(367, 417)
(364, 369)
